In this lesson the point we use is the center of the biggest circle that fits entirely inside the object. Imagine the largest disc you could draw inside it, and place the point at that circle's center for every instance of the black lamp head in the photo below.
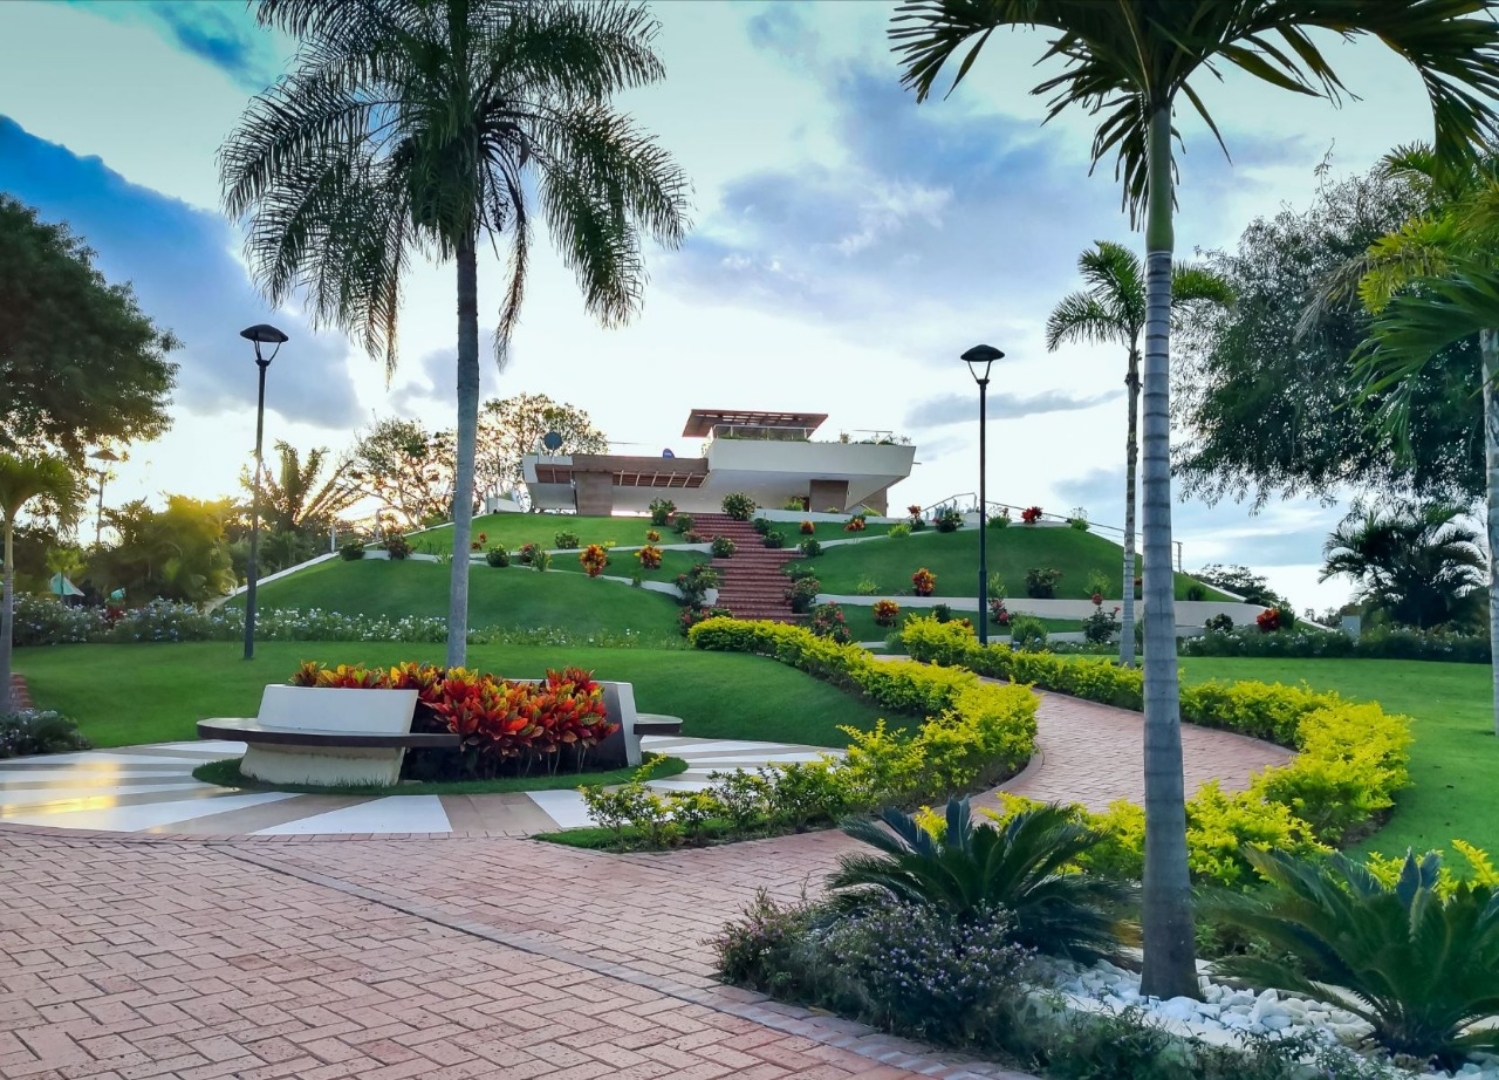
(264, 334)
(981, 356)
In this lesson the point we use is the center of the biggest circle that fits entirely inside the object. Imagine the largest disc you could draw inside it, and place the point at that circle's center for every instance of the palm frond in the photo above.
(1079, 317)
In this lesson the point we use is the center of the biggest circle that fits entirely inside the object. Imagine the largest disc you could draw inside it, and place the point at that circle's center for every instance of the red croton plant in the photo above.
(505, 725)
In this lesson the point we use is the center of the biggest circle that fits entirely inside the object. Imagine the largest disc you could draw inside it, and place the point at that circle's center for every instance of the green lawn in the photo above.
(624, 564)
(953, 557)
(512, 530)
(512, 597)
(126, 694)
(1455, 757)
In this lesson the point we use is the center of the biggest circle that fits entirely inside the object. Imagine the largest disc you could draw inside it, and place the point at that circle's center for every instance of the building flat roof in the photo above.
(701, 422)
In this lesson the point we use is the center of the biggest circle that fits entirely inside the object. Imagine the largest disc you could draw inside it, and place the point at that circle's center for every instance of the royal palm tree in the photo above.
(411, 128)
(23, 479)
(1111, 310)
(1433, 282)
(1417, 563)
(1129, 62)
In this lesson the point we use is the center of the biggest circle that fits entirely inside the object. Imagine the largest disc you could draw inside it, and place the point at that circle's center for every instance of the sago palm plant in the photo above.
(419, 128)
(1022, 866)
(1131, 63)
(1111, 311)
(22, 480)
(1418, 963)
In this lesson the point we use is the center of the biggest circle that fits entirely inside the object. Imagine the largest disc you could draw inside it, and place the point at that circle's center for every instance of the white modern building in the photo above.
(771, 456)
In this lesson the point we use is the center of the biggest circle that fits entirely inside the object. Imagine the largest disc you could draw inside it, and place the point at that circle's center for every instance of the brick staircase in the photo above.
(750, 582)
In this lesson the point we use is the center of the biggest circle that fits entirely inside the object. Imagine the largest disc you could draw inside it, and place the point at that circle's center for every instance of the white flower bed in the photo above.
(1226, 1014)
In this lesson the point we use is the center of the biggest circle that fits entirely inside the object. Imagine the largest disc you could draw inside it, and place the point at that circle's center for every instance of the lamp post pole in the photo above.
(259, 334)
(979, 359)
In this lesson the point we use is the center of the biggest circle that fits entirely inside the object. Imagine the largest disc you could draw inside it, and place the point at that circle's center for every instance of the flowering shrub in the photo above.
(914, 511)
(526, 554)
(810, 547)
(478, 542)
(566, 540)
(693, 586)
(774, 539)
(650, 557)
(1041, 582)
(739, 506)
(396, 545)
(761, 525)
(723, 547)
(855, 524)
(683, 523)
(886, 612)
(652, 536)
(351, 551)
(948, 519)
(1030, 515)
(923, 582)
(34, 731)
(1268, 620)
(1101, 626)
(808, 528)
(802, 594)
(497, 556)
(998, 613)
(827, 622)
(692, 536)
(696, 613)
(594, 558)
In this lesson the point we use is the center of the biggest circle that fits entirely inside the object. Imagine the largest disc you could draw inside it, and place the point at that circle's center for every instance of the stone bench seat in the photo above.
(656, 724)
(251, 730)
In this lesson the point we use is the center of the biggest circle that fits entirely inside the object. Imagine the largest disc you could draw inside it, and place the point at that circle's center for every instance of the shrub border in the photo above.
(1350, 759)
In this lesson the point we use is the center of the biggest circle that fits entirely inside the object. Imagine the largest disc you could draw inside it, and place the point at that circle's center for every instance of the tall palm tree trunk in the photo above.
(1131, 462)
(468, 426)
(7, 615)
(1169, 967)
(1488, 341)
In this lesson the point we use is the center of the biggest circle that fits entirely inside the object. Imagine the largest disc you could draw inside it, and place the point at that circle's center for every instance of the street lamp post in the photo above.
(979, 359)
(105, 457)
(260, 334)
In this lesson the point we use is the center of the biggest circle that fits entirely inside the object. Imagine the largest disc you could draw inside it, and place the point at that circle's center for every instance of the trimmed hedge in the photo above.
(1378, 643)
(1350, 758)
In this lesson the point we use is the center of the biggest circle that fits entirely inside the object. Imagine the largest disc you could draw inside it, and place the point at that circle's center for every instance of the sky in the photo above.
(847, 246)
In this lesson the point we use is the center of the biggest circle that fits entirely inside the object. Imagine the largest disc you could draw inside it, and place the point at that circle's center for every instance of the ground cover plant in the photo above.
(1454, 757)
(159, 692)
(953, 556)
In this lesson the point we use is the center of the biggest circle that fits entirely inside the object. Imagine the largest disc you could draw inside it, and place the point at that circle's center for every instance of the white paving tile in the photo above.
(227, 747)
(110, 757)
(149, 815)
(749, 761)
(63, 777)
(389, 814)
(566, 808)
(649, 742)
(33, 796)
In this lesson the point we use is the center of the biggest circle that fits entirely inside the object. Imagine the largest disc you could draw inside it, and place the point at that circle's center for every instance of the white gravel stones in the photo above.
(1226, 1012)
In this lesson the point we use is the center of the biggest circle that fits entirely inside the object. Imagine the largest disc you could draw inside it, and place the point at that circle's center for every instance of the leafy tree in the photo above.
(292, 498)
(1416, 563)
(79, 361)
(410, 126)
(1126, 63)
(1434, 282)
(1267, 403)
(1241, 581)
(513, 428)
(48, 480)
(1111, 310)
(180, 553)
(405, 467)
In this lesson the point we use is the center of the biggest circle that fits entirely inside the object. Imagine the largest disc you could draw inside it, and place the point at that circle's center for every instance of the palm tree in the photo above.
(1418, 564)
(23, 479)
(1433, 282)
(294, 498)
(1111, 310)
(1128, 61)
(420, 127)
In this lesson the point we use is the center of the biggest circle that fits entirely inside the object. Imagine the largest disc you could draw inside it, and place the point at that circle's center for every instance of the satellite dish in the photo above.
(552, 441)
(667, 453)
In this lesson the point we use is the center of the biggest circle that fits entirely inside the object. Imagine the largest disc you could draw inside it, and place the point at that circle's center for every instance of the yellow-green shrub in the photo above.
(1219, 825)
(1481, 870)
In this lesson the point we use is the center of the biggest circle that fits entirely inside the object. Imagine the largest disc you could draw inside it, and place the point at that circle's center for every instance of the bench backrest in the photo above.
(308, 708)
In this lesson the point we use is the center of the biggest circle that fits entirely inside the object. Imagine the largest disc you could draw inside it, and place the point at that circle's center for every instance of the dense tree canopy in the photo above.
(180, 553)
(514, 427)
(404, 467)
(1270, 412)
(80, 363)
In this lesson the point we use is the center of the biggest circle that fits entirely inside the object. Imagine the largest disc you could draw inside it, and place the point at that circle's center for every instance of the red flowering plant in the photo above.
(914, 511)
(652, 536)
(1030, 515)
(594, 558)
(1268, 620)
(526, 554)
(650, 557)
(827, 622)
(924, 582)
(998, 613)
(808, 528)
(478, 542)
(694, 614)
(855, 524)
(886, 612)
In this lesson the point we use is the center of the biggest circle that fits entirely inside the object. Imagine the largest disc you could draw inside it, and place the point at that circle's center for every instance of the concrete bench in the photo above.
(325, 737)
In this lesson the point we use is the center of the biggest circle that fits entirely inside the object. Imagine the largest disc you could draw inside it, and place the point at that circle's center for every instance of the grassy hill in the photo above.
(953, 557)
(513, 597)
